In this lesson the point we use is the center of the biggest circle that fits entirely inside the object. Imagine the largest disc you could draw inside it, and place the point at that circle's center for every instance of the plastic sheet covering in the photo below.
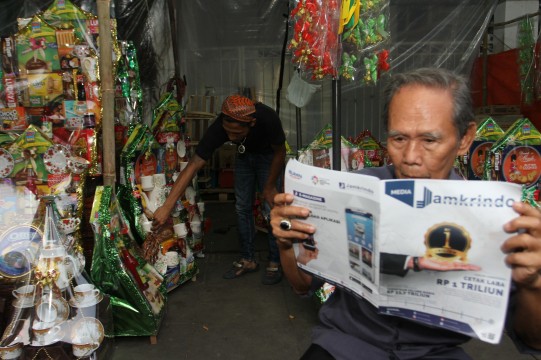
(224, 45)
(56, 310)
(444, 34)
(229, 46)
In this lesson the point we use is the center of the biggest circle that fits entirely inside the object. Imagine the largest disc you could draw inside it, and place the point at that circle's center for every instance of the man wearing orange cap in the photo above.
(258, 133)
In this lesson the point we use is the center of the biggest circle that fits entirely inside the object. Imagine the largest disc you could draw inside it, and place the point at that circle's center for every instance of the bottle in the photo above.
(89, 120)
(31, 179)
(81, 91)
(31, 191)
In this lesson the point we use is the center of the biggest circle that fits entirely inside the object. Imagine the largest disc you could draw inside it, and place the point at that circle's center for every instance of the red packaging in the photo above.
(10, 86)
(13, 118)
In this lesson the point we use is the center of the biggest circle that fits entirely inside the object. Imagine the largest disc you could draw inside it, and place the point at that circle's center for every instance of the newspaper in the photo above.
(362, 222)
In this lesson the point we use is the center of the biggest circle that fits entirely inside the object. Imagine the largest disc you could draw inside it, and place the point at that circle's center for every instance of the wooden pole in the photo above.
(180, 84)
(107, 92)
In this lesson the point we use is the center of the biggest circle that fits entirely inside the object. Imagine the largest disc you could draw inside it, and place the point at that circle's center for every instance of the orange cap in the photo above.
(239, 108)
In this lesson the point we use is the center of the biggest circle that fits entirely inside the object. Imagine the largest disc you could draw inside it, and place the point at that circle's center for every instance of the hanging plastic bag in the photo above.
(299, 92)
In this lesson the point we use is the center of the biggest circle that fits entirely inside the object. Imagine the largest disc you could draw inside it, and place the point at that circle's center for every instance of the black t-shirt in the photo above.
(267, 131)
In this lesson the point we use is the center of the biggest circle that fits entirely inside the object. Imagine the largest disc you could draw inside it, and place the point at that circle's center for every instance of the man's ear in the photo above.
(467, 139)
(252, 123)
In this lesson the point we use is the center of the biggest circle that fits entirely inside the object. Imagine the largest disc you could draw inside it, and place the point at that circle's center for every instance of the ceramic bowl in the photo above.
(11, 351)
(87, 330)
(69, 225)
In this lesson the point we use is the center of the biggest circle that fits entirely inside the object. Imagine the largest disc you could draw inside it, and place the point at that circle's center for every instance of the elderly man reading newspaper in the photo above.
(429, 119)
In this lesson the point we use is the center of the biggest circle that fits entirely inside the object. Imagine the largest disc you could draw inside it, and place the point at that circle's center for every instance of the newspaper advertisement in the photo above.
(368, 230)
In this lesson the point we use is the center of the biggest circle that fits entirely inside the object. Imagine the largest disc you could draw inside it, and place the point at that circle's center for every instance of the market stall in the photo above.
(63, 111)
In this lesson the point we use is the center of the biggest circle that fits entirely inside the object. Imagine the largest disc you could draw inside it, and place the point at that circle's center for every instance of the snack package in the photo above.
(319, 152)
(375, 154)
(28, 151)
(44, 87)
(515, 156)
(13, 119)
(9, 56)
(63, 14)
(487, 134)
(167, 119)
(37, 48)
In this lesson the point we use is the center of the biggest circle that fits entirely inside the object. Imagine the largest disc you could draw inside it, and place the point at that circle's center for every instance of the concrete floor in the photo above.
(212, 318)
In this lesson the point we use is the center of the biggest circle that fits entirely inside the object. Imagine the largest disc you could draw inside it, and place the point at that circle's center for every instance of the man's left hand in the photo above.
(524, 248)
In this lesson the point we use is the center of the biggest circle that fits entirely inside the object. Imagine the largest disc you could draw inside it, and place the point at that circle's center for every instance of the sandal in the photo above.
(239, 268)
(272, 276)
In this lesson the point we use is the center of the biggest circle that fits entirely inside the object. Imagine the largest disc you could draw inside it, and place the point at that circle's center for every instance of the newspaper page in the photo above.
(368, 229)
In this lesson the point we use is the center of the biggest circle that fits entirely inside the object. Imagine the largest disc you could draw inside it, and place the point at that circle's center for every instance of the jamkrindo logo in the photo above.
(315, 180)
(404, 191)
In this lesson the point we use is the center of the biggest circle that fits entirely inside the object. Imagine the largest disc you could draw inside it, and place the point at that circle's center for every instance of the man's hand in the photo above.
(442, 265)
(524, 248)
(305, 255)
(161, 215)
(283, 210)
(523, 251)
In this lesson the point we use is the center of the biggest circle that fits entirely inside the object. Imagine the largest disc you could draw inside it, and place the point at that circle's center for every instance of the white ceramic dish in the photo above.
(6, 163)
(55, 159)
(87, 303)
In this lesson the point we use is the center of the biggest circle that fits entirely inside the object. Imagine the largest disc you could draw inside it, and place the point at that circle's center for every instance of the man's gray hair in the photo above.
(440, 79)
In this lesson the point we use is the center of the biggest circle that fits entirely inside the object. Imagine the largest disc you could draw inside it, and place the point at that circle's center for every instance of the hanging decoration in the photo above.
(364, 30)
(348, 39)
(315, 46)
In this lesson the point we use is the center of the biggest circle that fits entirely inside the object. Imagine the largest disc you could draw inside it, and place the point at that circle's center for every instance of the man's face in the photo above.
(422, 139)
(236, 130)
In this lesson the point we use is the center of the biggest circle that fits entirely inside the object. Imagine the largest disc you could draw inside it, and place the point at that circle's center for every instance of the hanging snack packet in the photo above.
(487, 134)
(319, 152)
(515, 157)
(375, 154)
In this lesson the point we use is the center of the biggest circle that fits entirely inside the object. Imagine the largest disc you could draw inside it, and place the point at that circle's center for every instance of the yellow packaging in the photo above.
(42, 88)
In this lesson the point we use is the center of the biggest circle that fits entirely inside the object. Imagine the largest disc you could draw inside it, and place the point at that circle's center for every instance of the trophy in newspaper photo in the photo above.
(448, 242)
